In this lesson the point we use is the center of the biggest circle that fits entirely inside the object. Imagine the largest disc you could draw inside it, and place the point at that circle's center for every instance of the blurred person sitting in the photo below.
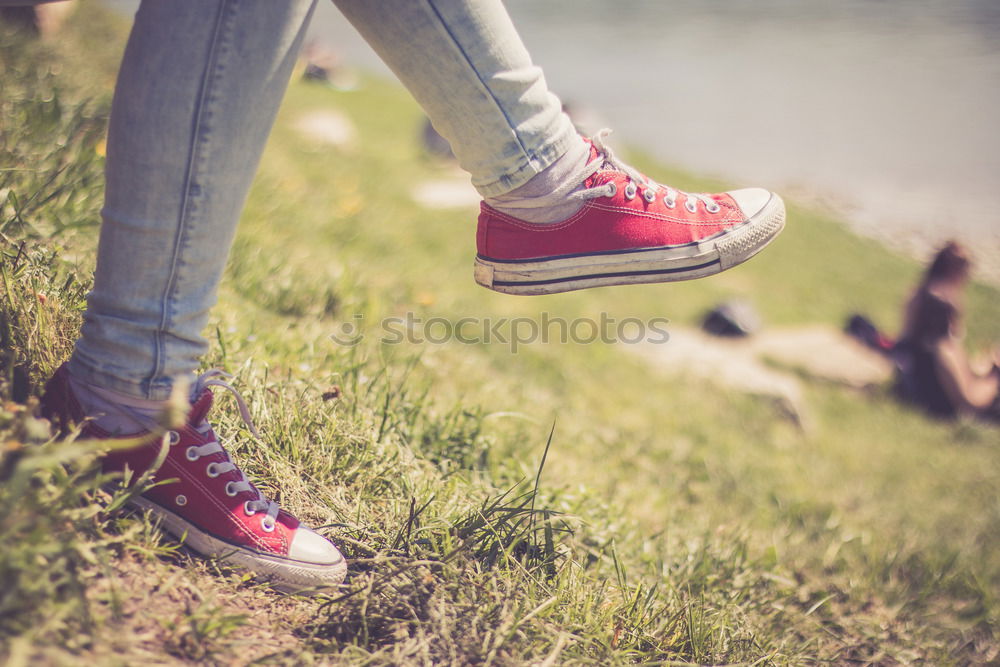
(934, 371)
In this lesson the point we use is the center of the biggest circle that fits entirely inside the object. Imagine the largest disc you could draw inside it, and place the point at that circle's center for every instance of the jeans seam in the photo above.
(458, 45)
(200, 135)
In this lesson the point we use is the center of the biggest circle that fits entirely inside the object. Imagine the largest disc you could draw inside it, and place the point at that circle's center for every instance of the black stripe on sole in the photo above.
(600, 253)
(592, 276)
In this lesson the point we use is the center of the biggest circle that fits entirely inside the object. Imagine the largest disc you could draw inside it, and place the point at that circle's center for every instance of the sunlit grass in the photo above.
(671, 521)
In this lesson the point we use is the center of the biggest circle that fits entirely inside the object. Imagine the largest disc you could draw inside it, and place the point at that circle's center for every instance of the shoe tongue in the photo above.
(200, 407)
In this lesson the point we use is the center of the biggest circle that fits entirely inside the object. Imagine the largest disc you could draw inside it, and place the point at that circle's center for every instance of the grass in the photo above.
(565, 504)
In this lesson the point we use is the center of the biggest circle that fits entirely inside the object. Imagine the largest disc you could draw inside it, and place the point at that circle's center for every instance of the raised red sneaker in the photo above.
(210, 503)
(630, 230)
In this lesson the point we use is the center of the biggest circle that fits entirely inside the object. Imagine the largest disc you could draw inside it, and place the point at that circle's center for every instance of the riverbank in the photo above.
(561, 503)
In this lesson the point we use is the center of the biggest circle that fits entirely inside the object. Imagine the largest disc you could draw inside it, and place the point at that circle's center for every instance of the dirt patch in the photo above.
(179, 611)
(767, 363)
(453, 191)
(328, 127)
(824, 353)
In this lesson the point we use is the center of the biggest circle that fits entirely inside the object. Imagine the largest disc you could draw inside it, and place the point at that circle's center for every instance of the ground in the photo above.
(557, 503)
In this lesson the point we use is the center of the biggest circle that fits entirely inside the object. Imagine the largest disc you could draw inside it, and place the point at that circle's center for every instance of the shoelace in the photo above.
(606, 160)
(214, 469)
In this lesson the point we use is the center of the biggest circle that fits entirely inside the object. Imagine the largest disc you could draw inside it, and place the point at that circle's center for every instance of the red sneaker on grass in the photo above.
(210, 503)
(630, 230)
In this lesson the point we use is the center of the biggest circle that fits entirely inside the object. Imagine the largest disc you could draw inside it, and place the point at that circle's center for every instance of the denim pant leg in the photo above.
(197, 93)
(465, 64)
(196, 96)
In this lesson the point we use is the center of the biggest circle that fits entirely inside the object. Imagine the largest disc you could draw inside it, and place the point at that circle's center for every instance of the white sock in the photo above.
(527, 202)
(114, 412)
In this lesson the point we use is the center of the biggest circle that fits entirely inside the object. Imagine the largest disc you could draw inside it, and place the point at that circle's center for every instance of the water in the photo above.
(885, 111)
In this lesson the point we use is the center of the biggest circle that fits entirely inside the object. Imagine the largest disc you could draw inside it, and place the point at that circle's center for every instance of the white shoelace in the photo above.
(638, 184)
(214, 469)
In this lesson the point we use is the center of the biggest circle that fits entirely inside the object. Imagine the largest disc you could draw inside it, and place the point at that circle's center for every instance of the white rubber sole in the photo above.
(565, 273)
(285, 574)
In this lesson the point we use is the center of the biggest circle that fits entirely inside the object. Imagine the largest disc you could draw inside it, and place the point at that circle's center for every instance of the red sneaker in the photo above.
(630, 230)
(210, 503)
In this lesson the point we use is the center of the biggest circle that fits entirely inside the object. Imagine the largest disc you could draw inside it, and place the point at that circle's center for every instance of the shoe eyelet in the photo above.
(247, 510)
(192, 453)
(212, 470)
(229, 490)
(181, 500)
(691, 206)
(267, 526)
(612, 189)
(173, 437)
(713, 208)
(630, 190)
(669, 203)
(649, 195)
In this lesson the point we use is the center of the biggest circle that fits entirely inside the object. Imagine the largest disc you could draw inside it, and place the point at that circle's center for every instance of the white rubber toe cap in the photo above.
(751, 200)
(308, 546)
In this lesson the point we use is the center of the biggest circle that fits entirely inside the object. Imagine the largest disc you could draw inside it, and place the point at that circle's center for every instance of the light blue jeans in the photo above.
(198, 90)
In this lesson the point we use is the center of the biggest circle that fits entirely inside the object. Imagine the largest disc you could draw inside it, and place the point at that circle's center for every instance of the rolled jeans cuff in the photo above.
(523, 167)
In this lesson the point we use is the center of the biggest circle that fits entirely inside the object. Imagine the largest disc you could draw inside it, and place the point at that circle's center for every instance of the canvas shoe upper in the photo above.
(630, 229)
